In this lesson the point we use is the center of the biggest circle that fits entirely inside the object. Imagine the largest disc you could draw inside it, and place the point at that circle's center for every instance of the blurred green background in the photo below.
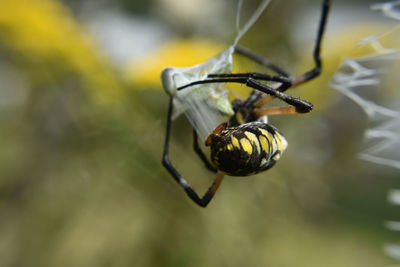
(83, 116)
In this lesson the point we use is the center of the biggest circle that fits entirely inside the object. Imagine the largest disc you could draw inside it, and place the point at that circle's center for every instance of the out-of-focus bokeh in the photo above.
(82, 127)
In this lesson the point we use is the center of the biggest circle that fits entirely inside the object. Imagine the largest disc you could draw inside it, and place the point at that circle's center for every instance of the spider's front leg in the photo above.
(301, 106)
(203, 201)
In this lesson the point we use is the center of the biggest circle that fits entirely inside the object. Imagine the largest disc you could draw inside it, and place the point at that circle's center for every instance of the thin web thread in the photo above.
(238, 12)
(251, 21)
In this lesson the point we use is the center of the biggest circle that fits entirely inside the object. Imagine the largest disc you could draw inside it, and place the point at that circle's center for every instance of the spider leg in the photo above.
(285, 81)
(240, 78)
(261, 60)
(265, 98)
(274, 111)
(301, 105)
(203, 201)
(200, 153)
(314, 72)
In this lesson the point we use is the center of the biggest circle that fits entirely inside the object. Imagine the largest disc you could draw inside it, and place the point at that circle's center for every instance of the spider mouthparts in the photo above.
(219, 128)
(209, 139)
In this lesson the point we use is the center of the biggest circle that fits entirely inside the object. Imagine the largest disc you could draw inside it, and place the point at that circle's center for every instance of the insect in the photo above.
(245, 144)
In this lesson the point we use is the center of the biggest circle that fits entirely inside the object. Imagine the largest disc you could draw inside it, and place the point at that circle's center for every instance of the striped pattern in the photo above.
(247, 149)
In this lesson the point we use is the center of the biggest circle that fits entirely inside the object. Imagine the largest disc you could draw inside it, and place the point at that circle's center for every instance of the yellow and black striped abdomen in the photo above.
(247, 149)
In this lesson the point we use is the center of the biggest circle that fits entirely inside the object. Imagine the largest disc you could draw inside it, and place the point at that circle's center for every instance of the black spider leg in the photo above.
(203, 201)
(200, 153)
(314, 72)
(286, 82)
(255, 75)
(301, 106)
(241, 50)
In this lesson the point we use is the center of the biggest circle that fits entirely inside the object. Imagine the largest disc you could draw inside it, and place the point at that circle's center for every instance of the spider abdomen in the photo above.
(246, 149)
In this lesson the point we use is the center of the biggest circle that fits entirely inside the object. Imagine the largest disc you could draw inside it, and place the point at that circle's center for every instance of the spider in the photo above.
(246, 144)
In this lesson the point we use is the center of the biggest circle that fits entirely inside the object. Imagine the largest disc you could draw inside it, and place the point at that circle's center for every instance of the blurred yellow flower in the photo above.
(44, 33)
(146, 71)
